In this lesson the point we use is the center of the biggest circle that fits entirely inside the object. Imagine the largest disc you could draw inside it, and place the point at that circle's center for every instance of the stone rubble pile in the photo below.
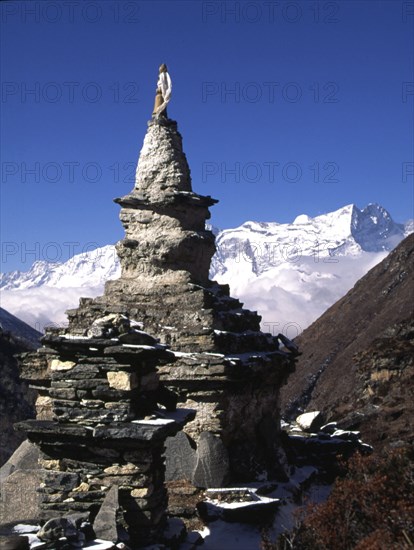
(309, 441)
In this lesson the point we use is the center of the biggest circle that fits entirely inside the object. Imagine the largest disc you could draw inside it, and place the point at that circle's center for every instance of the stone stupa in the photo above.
(225, 367)
(163, 336)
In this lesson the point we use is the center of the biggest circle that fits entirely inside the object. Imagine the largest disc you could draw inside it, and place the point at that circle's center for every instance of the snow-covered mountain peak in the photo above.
(374, 229)
(336, 224)
(409, 227)
(87, 269)
(289, 272)
(301, 219)
(256, 247)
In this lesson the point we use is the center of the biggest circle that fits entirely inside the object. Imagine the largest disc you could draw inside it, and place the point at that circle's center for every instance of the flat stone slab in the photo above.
(14, 542)
(61, 340)
(151, 430)
(158, 352)
(136, 200)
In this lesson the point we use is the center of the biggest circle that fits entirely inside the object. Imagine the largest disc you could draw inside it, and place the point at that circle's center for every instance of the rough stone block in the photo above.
(57, 364)
(180, 457)
(61, 481)
(20, 500)
(120, 380)
(44, 408)
(105, 522)
(212, 468)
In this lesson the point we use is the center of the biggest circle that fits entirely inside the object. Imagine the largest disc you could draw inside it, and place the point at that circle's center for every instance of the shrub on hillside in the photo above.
(371, 508)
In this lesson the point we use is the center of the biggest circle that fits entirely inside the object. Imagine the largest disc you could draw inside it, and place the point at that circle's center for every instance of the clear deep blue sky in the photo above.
(285, 108)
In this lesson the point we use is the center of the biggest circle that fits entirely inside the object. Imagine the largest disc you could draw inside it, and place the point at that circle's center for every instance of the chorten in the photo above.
(225, 368)
(164, 349)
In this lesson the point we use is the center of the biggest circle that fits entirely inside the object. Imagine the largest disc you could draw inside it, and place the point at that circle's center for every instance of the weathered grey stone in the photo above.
(62, 481)
(109, 326)
(105, 526)
(19, 499)
(212, 467)
(14, 542)
(25, 457)
(249, 506)
(180, 457)
(175, 532)
(162, 165)
(150, 381)
(56, 528)
(138, 337)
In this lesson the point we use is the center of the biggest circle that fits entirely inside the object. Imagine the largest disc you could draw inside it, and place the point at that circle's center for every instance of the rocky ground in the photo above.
(233, 518)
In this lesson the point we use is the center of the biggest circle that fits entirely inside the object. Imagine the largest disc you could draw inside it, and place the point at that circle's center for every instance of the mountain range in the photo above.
(290, 273)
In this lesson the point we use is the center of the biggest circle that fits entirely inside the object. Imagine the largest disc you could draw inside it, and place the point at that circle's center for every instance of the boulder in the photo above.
(310, 421)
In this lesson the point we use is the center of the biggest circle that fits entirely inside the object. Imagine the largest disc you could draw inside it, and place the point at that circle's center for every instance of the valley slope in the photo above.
(358, 357)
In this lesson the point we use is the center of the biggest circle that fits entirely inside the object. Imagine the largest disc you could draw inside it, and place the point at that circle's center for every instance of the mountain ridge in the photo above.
(16, 399)
(290, 273)
(358, 361)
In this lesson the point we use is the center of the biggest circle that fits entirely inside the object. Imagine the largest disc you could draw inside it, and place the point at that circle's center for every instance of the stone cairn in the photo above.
(106, 374)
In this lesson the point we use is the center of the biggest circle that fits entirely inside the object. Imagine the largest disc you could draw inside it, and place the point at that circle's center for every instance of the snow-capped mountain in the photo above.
(87, 269)
(347, 231)
(290, 273)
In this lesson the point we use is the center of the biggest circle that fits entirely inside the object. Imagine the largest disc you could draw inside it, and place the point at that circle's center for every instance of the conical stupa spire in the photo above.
(166, 240)
(162, 166)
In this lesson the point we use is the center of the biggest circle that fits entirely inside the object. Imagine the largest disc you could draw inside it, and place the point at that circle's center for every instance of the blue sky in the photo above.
(285, 108)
